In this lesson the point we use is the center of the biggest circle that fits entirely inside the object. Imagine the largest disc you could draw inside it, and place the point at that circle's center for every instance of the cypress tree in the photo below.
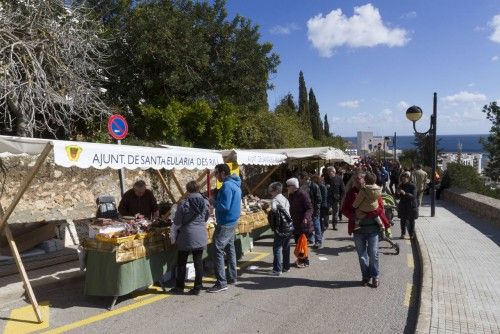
(303, 104)
(327, 127)
(314, 116)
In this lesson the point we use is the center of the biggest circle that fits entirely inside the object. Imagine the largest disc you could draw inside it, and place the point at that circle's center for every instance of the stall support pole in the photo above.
(165, 186)
(179, 187)
(208, 184)
(12, 244)
(264, 179)
(121, 174)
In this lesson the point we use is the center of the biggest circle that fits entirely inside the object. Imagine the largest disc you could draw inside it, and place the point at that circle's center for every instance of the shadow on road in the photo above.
(283, 282)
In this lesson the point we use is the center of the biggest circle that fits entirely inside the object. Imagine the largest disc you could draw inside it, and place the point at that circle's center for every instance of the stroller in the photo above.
(390, 208)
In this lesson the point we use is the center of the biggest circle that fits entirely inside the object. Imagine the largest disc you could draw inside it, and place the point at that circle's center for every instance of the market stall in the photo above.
(120, 261)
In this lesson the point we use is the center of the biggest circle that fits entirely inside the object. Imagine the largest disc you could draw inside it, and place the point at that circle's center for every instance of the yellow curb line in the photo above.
(410, 262)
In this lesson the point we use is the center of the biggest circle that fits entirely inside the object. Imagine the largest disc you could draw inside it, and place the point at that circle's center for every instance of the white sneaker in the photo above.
(276, 273)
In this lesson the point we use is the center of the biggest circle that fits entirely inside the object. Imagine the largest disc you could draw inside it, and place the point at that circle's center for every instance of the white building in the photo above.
(468, 159)
(367, 143)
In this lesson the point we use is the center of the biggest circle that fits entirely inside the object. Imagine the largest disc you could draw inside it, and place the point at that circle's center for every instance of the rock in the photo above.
(59, 199)
(57, 174)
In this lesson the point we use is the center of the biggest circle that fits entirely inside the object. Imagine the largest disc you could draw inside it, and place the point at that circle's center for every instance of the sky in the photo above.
(367, 62)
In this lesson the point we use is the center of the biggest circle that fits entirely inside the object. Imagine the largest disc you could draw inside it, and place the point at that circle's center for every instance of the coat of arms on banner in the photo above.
(73, 152)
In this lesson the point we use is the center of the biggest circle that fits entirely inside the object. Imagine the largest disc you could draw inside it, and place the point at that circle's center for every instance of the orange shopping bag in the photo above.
(301, 249)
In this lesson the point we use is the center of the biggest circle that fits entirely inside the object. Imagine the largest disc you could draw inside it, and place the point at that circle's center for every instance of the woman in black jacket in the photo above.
(407, 209)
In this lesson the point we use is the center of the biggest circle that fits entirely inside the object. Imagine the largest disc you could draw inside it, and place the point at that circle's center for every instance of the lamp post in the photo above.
(413, 114)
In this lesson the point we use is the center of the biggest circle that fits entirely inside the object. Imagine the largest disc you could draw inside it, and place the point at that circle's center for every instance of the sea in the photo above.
(448, 143)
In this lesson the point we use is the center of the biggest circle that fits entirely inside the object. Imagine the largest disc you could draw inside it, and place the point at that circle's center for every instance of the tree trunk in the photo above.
(21, 125)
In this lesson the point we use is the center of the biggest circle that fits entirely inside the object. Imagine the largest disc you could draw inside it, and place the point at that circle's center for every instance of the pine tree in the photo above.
(303, 104)
(492, 143)
(314, 116)
(287, 105)
(326, 127)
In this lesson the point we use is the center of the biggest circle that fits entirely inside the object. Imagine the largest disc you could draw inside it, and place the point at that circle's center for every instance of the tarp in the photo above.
(100, 156)
(318, 153)
(243, 157)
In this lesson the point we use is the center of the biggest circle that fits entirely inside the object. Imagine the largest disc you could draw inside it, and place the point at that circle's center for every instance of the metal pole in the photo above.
(121, 174)
(394, 144)
(434, 155)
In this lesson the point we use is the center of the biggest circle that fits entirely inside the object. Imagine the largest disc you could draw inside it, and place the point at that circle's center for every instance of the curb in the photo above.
(425, 305)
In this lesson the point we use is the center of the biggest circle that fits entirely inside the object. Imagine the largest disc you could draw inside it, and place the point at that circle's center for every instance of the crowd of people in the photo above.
(313, 202)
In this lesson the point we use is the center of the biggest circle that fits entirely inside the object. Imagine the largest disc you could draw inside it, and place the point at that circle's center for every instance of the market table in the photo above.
(106, 277)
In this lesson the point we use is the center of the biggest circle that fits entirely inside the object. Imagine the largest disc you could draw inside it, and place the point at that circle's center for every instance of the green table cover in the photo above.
(105, 277)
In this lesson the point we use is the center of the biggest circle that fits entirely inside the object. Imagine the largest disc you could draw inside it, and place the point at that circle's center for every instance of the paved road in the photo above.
(324, 298)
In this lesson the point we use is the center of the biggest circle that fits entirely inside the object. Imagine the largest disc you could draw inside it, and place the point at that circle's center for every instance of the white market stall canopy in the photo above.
(319, 153)
(243, 157)
(100, 156)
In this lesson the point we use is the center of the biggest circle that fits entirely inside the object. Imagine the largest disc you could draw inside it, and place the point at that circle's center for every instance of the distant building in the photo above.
(367, 143)
(468, 159)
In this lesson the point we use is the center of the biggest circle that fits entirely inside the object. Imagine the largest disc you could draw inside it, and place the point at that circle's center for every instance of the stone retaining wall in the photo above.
(480, 205)
(69, 193)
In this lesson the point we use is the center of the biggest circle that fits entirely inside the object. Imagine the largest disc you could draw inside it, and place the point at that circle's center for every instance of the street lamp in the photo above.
(413, 114)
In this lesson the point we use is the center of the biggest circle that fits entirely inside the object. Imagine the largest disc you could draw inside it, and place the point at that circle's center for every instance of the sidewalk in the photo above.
(461, 272)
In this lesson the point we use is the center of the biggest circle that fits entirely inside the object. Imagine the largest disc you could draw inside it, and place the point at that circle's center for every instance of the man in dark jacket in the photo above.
(301, 211)
(394, 178)
(227, 213)
(313, 189)
(407, 208)
(336, 190)
(139, 201)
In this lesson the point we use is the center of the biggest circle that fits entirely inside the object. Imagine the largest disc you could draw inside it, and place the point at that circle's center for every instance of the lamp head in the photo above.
(414, 113)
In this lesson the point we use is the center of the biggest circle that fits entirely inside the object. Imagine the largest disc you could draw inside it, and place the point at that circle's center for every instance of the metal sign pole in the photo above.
(121, 174)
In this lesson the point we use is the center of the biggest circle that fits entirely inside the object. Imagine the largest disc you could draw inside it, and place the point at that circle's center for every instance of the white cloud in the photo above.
(284, 30)
(471, 84)
(495, 24)
(495, 58)
(464, 96)
(409, 15)
(364, 29)
(479, 28)
(403, 105)
(349, 104)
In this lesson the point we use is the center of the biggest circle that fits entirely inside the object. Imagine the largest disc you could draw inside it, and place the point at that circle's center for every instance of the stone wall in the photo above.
(480, 205)
(69, 193)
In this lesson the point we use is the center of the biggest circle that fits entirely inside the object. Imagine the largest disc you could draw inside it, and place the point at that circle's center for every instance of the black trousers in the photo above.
(182, 257)
(393, 186)
(408, 224)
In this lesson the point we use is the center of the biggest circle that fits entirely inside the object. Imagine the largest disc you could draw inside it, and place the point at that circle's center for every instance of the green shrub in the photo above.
(467, 178)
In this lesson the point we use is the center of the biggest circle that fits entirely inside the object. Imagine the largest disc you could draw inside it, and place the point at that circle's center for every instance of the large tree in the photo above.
(424, 146)
(492, 143)
(51, 68)
(185, 50)
(326, 127)
(287, 105)
(303, 108)
(314, 116)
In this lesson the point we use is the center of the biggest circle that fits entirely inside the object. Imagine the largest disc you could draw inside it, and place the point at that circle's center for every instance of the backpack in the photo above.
(280, 221)
(106, 207)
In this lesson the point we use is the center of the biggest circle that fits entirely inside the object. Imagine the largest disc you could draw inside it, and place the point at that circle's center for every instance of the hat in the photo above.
(293, 182)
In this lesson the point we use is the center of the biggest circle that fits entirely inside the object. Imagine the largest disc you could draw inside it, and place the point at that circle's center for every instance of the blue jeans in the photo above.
(367, 248)
(317, 237)
(224, 242)
(281, 252)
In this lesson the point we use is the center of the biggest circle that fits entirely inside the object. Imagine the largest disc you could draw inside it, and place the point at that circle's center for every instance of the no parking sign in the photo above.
(117, 127)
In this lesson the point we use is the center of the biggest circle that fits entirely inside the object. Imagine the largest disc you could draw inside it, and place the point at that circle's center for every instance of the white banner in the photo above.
(100, 156)
(244, 157)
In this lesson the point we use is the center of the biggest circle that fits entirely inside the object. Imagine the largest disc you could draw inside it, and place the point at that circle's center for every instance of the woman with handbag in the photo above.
(301, 211)
(189, 233)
